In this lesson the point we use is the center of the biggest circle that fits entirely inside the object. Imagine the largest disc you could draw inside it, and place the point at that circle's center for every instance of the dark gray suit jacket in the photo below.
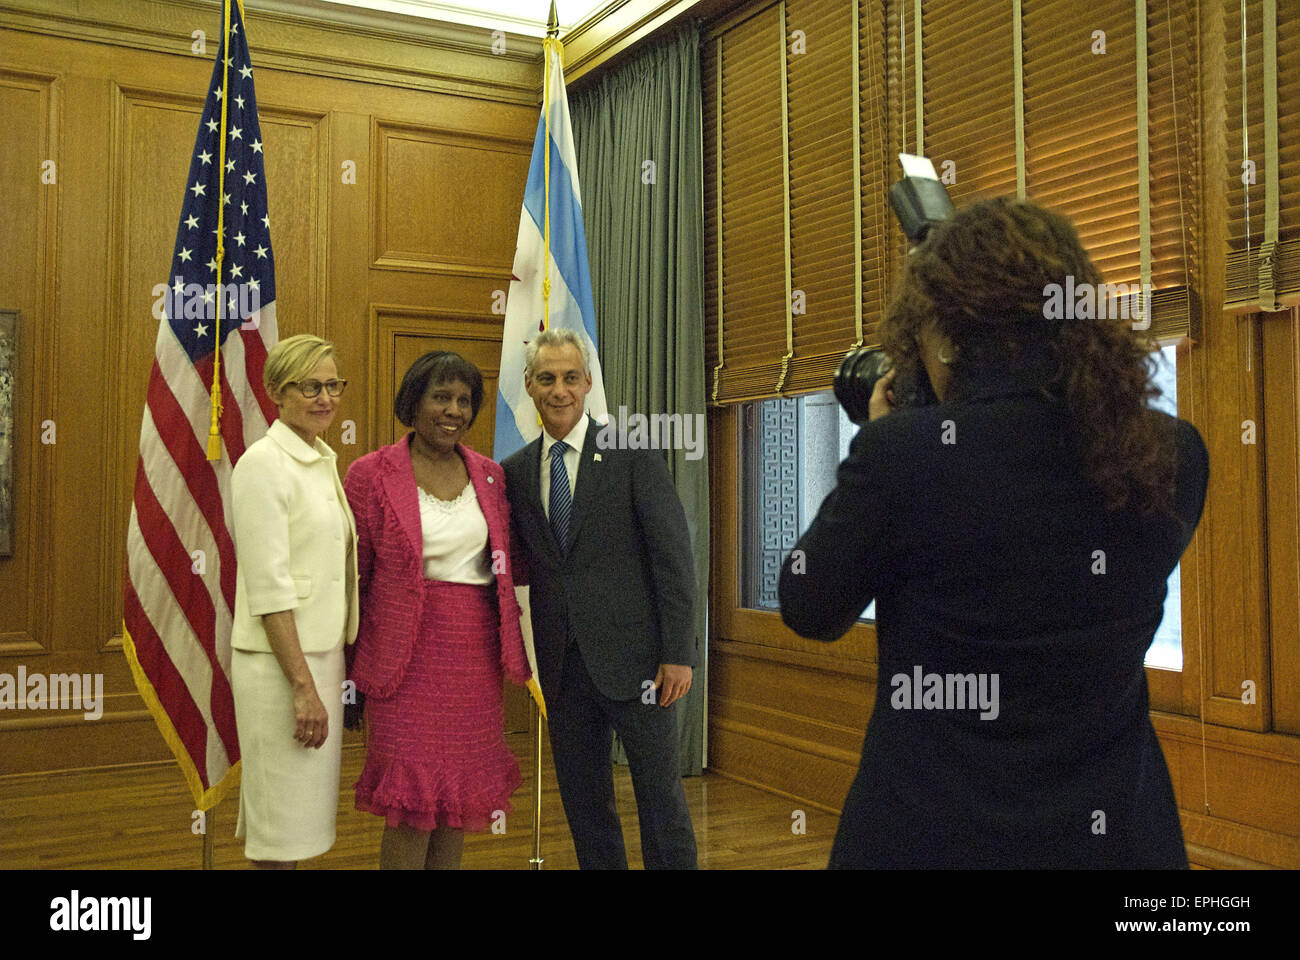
(627, 583)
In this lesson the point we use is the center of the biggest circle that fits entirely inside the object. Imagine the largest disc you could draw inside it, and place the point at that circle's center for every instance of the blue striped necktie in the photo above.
(561, 498)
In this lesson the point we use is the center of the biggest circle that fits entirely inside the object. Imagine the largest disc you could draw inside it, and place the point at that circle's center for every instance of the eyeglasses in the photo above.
(312, 388)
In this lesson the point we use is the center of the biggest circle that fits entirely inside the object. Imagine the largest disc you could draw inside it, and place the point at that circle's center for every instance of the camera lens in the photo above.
(856, 379)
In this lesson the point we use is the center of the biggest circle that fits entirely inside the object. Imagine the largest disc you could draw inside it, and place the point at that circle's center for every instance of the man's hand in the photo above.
(672, 681)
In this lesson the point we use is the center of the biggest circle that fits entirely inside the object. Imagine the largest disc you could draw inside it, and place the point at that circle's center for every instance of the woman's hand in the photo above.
(354, 714)
(311, 722)
(882, 397)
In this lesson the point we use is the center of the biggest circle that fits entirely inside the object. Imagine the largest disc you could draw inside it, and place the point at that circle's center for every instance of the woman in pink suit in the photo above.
(439, 622)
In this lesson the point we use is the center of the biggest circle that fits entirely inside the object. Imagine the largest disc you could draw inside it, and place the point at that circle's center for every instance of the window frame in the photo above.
(1171, 691)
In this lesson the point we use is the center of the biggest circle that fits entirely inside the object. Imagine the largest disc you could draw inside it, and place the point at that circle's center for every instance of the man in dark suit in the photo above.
(601, 539)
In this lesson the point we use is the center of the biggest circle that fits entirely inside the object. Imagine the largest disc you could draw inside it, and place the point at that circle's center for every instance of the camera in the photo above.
(856, 378)
(919, 201)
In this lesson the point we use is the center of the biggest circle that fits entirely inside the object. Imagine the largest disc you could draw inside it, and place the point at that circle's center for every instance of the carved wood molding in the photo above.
(384, 255)
(318, 38)
(37, 343)
(1224, 845)
(614, 30)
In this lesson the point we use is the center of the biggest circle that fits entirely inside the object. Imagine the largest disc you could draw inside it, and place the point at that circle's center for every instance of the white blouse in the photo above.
(455, 538)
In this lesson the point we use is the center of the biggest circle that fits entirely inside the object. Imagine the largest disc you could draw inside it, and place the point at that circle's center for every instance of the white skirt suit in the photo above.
(295, 550)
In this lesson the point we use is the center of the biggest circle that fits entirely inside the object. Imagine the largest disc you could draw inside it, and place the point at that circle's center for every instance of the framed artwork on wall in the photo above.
(8, 356)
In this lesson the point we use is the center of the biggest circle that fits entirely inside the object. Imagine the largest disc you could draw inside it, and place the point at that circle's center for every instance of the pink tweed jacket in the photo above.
(381, 490)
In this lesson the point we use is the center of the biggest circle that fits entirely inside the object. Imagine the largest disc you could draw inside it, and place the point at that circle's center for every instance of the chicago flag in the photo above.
(571, 303)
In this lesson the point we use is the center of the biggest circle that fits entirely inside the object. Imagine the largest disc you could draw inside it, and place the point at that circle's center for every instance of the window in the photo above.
(792, 447)
(1166, 649)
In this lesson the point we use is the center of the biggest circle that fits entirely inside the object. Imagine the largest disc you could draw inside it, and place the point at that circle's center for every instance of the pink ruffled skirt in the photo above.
(436, 754)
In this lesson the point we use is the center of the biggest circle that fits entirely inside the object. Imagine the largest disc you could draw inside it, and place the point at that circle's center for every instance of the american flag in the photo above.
(179, 592)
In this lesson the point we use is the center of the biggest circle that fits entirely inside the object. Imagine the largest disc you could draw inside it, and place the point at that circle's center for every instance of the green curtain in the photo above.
(640, 167)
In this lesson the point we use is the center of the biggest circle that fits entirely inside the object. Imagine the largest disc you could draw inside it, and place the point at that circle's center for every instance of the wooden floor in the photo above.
(139, 816)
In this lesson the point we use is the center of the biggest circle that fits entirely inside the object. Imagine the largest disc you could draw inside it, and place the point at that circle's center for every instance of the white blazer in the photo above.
(292, 546)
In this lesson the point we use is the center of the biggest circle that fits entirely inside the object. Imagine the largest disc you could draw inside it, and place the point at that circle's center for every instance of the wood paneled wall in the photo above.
(438, 129)
(789, 714)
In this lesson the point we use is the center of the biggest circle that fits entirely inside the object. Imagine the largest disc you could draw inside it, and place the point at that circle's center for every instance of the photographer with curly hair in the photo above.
(1017, 537)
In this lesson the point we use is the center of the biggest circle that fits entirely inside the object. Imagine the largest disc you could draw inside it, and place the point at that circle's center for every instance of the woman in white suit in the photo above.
(295, 608)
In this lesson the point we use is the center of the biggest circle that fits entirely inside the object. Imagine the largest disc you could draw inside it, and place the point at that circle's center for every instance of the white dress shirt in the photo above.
(575, 439)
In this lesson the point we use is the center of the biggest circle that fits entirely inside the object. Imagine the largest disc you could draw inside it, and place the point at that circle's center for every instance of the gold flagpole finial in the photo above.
(553, 22)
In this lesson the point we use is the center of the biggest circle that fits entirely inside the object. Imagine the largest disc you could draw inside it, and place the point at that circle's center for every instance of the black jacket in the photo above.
(985, 556)
(627, 583)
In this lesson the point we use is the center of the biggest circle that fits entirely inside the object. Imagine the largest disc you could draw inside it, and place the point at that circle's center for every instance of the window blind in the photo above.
(1080, 128)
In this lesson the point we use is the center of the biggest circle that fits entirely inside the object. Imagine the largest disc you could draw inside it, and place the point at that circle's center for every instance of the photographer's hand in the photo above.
(882, 397)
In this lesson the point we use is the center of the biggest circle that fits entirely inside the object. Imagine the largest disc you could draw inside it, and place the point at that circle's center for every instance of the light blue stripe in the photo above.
(568, 238)
(568, 250)
(508, 438)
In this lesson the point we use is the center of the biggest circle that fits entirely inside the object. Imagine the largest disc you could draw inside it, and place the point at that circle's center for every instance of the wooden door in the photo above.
(404, 334)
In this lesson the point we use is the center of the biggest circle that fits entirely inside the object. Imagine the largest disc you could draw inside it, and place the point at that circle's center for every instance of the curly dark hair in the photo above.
(982, 278)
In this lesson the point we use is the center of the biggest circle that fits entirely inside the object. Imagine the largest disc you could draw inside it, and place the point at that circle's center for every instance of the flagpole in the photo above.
(548, 50)
(214, 428)
(209, 827)
(536, 861)
(552, 38)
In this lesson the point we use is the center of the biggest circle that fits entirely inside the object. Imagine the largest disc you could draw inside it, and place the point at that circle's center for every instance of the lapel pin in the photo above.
(490, 479)
(595, 456)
